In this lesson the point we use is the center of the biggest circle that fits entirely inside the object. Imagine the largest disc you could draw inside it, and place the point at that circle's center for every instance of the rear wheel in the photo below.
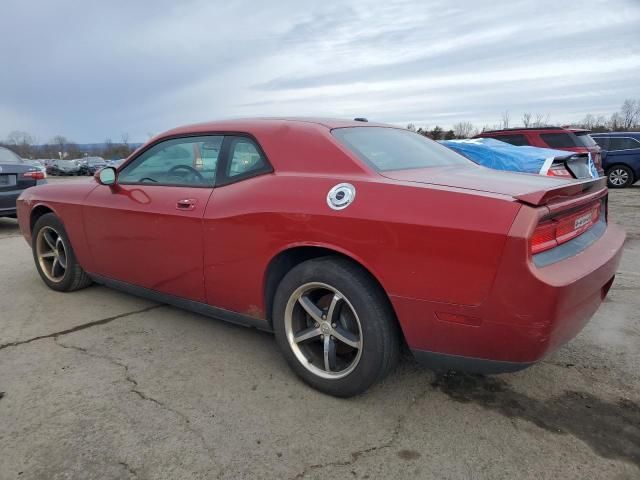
(335, 326)
(54, 257)
(619, 176)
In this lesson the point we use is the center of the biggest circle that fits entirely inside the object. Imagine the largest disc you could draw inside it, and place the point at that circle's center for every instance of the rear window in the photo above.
(561, 140)
(7, 156)
(516, 139)
(387, 149)
(585, 139)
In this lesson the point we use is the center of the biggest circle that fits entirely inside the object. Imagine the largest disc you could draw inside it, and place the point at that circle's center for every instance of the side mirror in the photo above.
(106, 176)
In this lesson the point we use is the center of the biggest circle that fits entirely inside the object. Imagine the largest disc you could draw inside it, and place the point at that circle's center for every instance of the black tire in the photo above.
(620, 176)
(378, 329)
(74, 277)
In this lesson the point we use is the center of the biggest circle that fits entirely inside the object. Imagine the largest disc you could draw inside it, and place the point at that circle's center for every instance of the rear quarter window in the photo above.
(8, 156)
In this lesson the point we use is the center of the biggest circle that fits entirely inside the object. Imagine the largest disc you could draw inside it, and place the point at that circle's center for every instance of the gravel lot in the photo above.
(100, 384)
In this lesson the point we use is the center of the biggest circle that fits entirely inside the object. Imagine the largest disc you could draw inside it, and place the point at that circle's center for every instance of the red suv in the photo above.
(571, 139)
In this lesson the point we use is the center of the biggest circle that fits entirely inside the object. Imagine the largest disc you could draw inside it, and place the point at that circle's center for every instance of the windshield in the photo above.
(395, 149)
(7, 156)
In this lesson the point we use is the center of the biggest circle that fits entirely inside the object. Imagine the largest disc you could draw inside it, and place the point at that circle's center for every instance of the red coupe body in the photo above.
(459, 249)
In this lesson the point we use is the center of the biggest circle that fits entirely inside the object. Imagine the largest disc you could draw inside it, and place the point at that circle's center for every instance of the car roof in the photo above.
(249, 124)
(616, 134)
(523, 129)
(578, 131)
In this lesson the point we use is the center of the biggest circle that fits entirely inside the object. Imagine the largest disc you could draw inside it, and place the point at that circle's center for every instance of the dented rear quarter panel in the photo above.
(418, 241)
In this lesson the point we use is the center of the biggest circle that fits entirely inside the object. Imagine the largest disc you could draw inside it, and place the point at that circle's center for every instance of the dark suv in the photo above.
(620, 157)
(558, 138)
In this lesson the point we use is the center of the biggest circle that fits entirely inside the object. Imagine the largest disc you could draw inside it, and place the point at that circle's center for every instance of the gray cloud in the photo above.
(95, 69)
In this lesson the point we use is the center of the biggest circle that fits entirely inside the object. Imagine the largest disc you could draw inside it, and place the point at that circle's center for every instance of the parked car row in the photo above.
(492, 153)
(620, 157)
(84, 166)
(615, 154)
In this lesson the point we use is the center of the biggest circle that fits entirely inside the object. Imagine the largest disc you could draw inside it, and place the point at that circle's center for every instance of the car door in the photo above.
(234, 228)
(147, 229)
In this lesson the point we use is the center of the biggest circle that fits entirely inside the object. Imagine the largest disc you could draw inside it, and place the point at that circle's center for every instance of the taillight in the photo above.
(597, 160)
(35, 175)
(544, 237)
(551, 233)
(559, 171)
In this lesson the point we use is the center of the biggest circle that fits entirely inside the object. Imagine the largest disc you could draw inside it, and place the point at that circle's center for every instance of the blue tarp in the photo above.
(504, 156)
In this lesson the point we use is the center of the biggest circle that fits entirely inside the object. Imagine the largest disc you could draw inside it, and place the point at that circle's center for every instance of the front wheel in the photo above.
(335, 326)
(620, 176)
(55, 261)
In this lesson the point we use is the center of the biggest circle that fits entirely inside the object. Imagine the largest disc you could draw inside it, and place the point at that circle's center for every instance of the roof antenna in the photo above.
(360, 119)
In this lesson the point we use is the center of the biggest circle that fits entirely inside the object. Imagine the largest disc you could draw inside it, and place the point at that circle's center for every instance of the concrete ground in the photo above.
(100, 384)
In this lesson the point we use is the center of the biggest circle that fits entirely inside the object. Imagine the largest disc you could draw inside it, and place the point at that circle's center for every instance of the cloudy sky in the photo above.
(96, 69)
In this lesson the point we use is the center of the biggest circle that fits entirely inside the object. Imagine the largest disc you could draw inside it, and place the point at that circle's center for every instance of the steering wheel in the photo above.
(188, 168)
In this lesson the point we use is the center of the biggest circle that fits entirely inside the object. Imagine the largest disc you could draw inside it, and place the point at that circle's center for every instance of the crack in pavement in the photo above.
(135, 389)
(356, 455)
(129, 469)
(77, 328)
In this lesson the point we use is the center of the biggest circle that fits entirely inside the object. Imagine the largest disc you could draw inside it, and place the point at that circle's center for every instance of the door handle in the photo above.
(186, 204)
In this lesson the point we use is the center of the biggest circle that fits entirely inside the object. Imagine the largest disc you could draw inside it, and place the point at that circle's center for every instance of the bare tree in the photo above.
(588, 122)
(107, 151)
(22, 143)
(411, 127)
(526, 119)
(60, 143)
(125, 139)
(462, 129)
(73, 151)
(615, 122)
(540, 120)
(628, 113)
(505, 119)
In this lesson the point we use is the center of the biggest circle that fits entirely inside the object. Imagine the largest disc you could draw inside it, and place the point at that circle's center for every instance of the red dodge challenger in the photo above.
(345, 238)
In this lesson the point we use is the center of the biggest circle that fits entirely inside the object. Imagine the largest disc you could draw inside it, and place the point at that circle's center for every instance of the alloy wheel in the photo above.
(51, 253)
(618, 177)
(323, 330)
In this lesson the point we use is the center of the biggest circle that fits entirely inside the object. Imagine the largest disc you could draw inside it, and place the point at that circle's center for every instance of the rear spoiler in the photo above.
(572, 189)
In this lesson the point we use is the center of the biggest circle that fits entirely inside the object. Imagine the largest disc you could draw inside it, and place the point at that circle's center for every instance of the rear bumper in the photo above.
(442, 362)
(530, 312)
(8, 202)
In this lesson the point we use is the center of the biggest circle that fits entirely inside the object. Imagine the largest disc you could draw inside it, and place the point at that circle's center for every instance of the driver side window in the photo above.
(188, 161)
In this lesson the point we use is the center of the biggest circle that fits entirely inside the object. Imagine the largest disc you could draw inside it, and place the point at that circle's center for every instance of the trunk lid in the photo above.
(531, 189)
(11, 176)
